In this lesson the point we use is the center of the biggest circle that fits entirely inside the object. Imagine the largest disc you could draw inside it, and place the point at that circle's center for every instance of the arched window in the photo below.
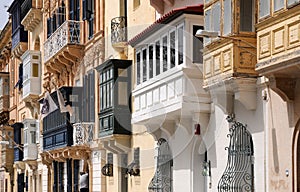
(162, 180)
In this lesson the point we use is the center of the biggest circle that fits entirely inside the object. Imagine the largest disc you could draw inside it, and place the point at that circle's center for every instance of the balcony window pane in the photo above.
(138, 68)
(172, 49)
(228, 17)
(25, 137)
(165, 53)
(144, 65)
(33, 137)
(104, 96)
(246, 15)
(123, 97)
(197, 46)
(216, 12)
(26, 71)
(264, 8)
(292, 2)
(111, 93)
(278, 4)
(180, 45)
(150, 61)
(35, 70)
(157, 56)
(207, 24)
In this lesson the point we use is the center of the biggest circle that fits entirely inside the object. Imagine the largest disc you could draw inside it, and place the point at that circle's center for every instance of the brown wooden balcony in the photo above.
(32, 15)
(4, 92)
(7, 151)
(64, 48)
(119, 33)
(227, 58)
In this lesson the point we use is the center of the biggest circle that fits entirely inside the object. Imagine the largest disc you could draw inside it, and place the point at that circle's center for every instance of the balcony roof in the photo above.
(165, 19)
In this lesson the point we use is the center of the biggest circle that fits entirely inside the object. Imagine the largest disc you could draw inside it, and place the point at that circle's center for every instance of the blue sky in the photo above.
(3, 12)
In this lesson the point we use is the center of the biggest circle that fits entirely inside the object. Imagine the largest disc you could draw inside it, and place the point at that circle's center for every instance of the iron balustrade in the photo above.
(83, 133)
(67, 33)
(118, 30)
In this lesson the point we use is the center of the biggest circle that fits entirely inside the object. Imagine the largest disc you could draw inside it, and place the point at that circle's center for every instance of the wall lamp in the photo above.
(214, 34)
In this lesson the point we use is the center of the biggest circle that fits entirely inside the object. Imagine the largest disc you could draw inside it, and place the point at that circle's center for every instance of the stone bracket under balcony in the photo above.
(20, 49)
(62, 154)
(32, 19)
(117, 143)
(240, 89)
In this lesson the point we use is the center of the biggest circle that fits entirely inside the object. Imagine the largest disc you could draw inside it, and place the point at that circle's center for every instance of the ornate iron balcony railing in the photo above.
(83, 133)
(118, 30)
(67, 33)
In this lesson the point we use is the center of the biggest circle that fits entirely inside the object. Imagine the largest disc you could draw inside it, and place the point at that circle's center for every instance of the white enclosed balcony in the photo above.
(31, 74)
(83, 133)
(169, 71)
(31, 138)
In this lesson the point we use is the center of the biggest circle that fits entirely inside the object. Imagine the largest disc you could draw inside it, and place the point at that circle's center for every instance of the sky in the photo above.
(4, 4)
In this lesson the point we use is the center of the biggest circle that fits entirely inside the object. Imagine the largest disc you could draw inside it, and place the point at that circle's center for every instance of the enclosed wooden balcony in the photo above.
(57, 126)
(278, 45)
(7, 150)
(64, 49)
(32, 14)
(4, 92)
(227, 58)
(19, 36)
(31, 75)
(30, 138)
(119, 33)
(115, 100)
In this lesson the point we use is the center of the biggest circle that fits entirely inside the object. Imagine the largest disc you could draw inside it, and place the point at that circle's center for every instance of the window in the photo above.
(197, 46)
(88, 14)
(207, 23)
(89, 97)
(216, 14)
(172, 49)
(35, 70)
(227, 14)
(292, 2)
(264, 8)
(157, 56)
(33, 137)
(138, 68)
(144, 65)
(74, 10)
(246, 15)
(180, 45)
(278, 4)
(165, 53)
(150, 61)
(106, 89)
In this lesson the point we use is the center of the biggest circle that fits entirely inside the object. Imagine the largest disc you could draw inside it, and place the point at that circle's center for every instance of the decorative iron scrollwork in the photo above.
(162, 180)
(118, 30)
(238, 175)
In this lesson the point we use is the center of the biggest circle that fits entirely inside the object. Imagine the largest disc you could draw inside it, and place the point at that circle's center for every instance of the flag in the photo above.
(63, 107)
(47, 105)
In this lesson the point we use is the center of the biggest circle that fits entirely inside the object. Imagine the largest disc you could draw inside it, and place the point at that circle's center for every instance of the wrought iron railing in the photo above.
(83, 133)
(118, 30)
(67, 33)
(25, 7)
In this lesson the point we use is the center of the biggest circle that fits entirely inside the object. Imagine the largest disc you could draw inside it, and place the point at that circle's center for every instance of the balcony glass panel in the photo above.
(25, 7)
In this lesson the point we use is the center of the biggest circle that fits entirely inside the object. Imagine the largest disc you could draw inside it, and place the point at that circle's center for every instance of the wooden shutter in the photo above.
(92, 96)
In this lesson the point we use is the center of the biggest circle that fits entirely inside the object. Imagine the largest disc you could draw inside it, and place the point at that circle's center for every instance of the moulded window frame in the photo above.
(138, 81)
